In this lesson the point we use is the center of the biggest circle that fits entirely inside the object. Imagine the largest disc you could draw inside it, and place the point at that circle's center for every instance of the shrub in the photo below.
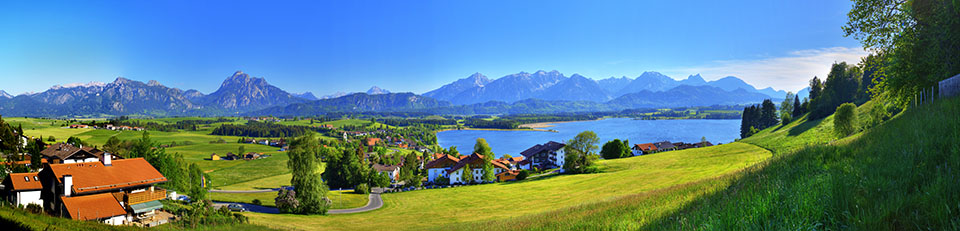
(523, 174)
(286, 201)
(257, 202)
(785, 119)
(34, 208)
(845, 120)
(51, 139)
(361, 189)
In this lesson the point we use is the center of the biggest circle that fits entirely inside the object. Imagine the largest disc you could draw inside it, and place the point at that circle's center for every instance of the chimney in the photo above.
(67, 184)
(107, 159)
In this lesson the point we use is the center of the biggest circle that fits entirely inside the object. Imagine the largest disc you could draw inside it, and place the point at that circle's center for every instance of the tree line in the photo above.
(261, 129)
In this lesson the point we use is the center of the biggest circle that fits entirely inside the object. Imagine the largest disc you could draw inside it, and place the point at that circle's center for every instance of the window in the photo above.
(35, 178)
(26, 178)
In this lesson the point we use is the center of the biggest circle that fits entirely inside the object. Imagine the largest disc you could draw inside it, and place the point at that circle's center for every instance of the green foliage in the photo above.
(256, 202)
(202, 213)
(286, 201)
(305, 166)
(786, 107)
(580, 155)
(523, 174)
(615, 149)
(410, 171)
(197, 191)
(845, 120)
(34, 147)
(467, 176)
(841, 86)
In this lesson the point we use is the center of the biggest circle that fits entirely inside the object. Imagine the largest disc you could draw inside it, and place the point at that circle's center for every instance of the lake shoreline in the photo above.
(541, 125)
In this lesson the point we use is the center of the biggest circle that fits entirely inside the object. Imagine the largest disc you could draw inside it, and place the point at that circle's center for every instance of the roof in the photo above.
(442, 161)
(645, 147)
(94, 176)
(475, 160)
(372, 141)
(536, 149)
(385, 168)
(664, 145)
(64, 150)
(92, 206)
(24, 181)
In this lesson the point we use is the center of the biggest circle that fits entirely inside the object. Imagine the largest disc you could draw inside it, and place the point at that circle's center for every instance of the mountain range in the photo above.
(242, 94)
(553, 85)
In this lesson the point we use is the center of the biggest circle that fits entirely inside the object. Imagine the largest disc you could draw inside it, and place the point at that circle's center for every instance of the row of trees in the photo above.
(758, 117)
(616, 149)
(261, 129)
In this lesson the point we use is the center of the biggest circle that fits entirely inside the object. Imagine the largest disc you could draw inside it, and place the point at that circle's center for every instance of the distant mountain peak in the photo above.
(376, 91)
(4, 94)
(153, 83)
(696, 77)
(306, 95)
(122, 80)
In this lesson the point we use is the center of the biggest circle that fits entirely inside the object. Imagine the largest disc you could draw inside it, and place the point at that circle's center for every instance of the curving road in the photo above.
(373, 203)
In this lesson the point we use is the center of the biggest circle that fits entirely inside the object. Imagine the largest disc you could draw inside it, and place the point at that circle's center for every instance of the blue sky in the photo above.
(415, 46)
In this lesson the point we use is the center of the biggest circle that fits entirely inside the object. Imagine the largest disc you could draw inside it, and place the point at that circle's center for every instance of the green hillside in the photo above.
(900, 175)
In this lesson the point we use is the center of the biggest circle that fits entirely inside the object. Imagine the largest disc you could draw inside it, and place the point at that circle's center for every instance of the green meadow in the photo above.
(448, 208)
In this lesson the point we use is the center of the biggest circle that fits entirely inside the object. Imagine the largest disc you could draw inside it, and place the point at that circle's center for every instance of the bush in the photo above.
(257, 202)
(51, 139)
(361, 189)
(286, 201)
(523, 174)
(34, 208)
(845, 120)
(785, 119)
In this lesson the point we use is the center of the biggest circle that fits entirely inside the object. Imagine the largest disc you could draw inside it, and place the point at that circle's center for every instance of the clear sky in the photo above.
(414, 46)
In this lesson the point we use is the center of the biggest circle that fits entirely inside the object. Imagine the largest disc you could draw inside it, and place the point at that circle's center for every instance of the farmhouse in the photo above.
(544, 156)
(476, 165)
(508, 175)
(640, 149)
(62, 153)
(391, 170)
(438, 166)
(110, 191)
(664, 146)
(22, 189)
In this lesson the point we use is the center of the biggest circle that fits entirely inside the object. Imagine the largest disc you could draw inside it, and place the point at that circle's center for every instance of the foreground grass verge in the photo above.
(18, 219)
(447, 208)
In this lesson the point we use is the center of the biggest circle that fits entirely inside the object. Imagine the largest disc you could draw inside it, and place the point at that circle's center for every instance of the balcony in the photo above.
(145, 196)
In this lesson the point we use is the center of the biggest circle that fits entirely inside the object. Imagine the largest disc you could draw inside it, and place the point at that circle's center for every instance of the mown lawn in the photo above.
(445, 208)
(341, 199)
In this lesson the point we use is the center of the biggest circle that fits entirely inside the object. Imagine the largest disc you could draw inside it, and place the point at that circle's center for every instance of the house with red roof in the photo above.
(110, 191)
(22, 189)
(640, 149)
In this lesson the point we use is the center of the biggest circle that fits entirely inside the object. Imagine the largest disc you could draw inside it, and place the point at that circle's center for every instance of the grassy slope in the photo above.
(901, 175)
(17, 219)
(444, 208)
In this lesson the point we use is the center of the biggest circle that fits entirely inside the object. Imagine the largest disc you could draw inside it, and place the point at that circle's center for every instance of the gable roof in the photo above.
(385, 168)
(645, 147)
(23, 182)
(94, 176)
(476, 160)
(539, 148)
(64, 150)
(442, 161)
(664, 145)
(92, 206)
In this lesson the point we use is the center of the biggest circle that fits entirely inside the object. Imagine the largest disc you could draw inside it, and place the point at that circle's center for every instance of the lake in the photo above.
(637, 131)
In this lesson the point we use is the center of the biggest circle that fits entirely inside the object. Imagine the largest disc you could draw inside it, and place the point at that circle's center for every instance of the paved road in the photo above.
(244, 191)
(249, 207)
(373, 203)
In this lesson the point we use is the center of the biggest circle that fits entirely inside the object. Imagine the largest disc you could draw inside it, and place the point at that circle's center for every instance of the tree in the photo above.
(523, 174)
(76, 142)
(579, 153)
(34, 147)
(768, 114)
(197, 178)
(816, 87)
(241, 150)
(614, 149)
(845, 120)
(454, 152)
(786, 107)
(797, 109)
(409, 172)
(467, 176)
(305, 169)
(286, 201)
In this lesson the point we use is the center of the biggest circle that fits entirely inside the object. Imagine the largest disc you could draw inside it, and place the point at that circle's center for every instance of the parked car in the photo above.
(236, 208)
(184, 198)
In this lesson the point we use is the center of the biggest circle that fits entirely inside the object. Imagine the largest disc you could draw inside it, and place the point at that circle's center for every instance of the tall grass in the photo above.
(902, 175)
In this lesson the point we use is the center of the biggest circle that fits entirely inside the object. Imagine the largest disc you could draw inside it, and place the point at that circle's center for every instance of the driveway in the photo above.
(249, 207)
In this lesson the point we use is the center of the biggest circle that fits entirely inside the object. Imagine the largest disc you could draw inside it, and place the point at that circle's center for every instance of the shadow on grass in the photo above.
(803, 127)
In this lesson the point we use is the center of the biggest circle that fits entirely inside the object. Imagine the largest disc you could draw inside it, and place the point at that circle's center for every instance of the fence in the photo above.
(950, 87)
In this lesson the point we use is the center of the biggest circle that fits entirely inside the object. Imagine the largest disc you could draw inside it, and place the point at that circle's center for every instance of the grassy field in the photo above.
(18, 219)
(341, 199)
(900, 175)
(444, 208)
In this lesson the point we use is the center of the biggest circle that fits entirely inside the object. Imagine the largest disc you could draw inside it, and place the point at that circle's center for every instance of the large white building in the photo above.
(22, 189)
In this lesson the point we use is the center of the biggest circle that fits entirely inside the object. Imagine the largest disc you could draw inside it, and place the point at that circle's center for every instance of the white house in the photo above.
(452, 168)
(391, 170)
(545, 156)
(439, 166)
(23, 189)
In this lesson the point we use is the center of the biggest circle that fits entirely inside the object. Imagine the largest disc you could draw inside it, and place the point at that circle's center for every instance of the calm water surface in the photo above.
(637, 131)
